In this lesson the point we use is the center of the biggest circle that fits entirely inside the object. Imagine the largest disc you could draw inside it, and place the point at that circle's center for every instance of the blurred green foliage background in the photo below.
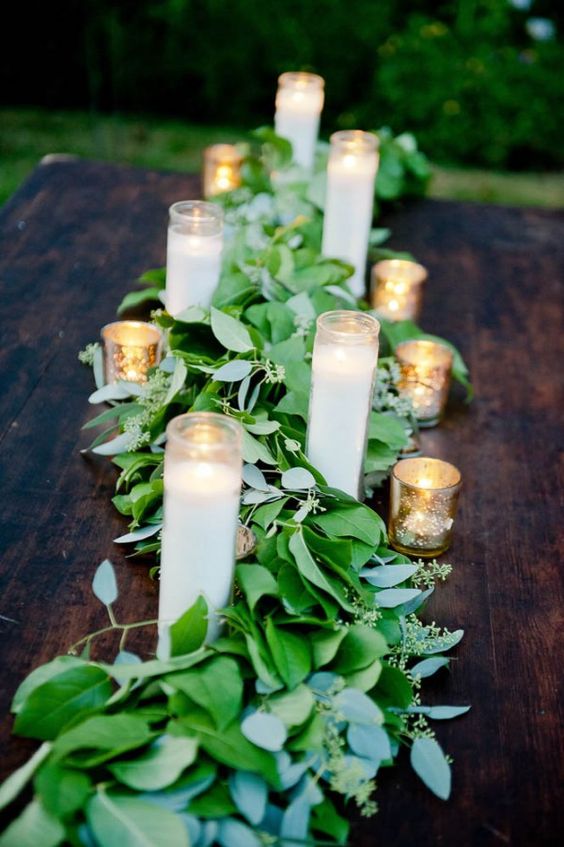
(480, 82)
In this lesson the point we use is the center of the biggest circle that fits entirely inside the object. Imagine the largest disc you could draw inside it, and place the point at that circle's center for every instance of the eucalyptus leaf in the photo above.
(139, 534)
(104, 584)
(233, 833)
(357, 707)
(264, 730)
(233, 371)
(254, 477)
(116, 445)
(230, 332)
(250, 793)
(389, 598)
(429, 763)
(372, 742)
(428, 667)
(388, 575)
(298, 479)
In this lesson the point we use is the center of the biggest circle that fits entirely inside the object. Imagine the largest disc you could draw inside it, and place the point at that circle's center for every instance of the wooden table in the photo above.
(73, 240)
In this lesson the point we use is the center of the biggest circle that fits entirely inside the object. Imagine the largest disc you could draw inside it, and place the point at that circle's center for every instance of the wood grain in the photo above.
(74, 238)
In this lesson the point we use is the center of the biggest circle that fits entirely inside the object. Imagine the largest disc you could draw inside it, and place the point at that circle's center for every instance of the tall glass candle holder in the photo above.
(351, 172)
(131, 349)
(423, 501)
(425, 370)
(193, 257)
(202, 486)
(299, 102)
(397, 289)
(345, 356)
(222, 169)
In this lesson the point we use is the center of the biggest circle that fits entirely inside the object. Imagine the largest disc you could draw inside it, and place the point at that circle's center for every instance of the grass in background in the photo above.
(26, 135)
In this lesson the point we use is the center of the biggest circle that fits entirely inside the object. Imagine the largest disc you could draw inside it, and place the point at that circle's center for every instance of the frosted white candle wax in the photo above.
(202, 484)
(345, 356)
(299, 101)
(193, 258)
(351, 173)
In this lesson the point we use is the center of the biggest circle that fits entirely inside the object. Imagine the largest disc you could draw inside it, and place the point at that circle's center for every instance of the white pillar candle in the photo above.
(351, 173)
(202, 486)
(345, 356)
(299, 101)
(193, 256)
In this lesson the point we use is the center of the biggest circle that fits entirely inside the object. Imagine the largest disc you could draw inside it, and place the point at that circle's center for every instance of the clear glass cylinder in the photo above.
(425, 371)
(222, 169)
(131, 349)
(397, 289)
(423, 502)
(345, 356)
(299, 102)
(351, 173)
(193, 257)
(202, 486)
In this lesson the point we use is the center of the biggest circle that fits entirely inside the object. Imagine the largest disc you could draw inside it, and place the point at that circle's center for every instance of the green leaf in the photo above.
(177, 382)
(136, 298)
(34, 827)
(159, 766)
(61, 789)
(233, 371)
(292, 707)
(230, 332)
(326, 820)
(359, 649)
(17, 781)
(215, 803)
(123, 821)
(104, 584)
(188, 633)
(290, 652)
(429, 763)
(366, 678)
(394, 688)
(255, 582)
(114, 733)
(312, 572)
(325, 643)
(231, 748)
(42, 674)
(216, 686)
(54, 704)
(357, 521)
(267, 514)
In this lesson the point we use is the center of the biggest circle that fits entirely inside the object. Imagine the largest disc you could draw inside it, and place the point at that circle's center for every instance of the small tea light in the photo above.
(425, 369)
(423, 500)
(193, 255)
(131, 349)
(222, 169)
(397, 289)
(299, 101)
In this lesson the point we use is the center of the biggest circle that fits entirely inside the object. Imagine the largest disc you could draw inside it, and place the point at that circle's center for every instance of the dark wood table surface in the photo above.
(73, 240)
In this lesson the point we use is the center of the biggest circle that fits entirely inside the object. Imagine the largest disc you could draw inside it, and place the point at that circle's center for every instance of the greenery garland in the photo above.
(266, 736)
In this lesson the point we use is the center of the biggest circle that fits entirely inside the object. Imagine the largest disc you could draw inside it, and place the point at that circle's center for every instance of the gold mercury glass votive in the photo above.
(222, 169)
(423, 500)
(397, 289)
(131, 348)
(425, 369)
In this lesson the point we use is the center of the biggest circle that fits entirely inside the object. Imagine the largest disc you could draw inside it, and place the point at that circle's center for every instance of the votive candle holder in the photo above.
(222, 169)
(131, 349)
(423, 502)
(425, 373)
(397, 289)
